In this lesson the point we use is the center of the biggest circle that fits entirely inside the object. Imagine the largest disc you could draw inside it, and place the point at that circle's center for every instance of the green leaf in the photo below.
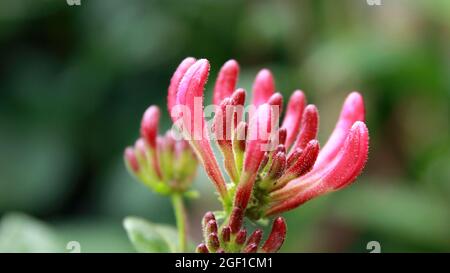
(22, 233)
(150, 238)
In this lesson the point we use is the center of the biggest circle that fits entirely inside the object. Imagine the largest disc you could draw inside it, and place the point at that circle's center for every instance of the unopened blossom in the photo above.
(164, 163)
(271, 169)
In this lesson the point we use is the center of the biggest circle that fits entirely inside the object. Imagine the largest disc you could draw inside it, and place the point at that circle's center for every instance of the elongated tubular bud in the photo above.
(131, 160)
(276, 236)
(241, 236)
(277, 101)
(263, 87)
(226, 81)
(352, 111)
(339, 173)
(309, 126)
(238, 101)
(292, 119)
(189, 94)
(236, 219)
(223, 127)
(278, 166)
(251, 248)
(226, 234)
(149, 126)
(257, 139)
(213, 242)
(202, 248)
(303, 165)
(175, 82)
(293, 157)
(255, 237)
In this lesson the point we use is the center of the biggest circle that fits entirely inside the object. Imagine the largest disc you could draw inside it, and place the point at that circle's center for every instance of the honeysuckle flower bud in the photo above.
(263, 87)
(234, 240)
(202, 248)
(241, 237)
(226, 81)
(293, 115)
(276, 236)
(175, 82)
(189, 94)
(255, 237)
(162, 163)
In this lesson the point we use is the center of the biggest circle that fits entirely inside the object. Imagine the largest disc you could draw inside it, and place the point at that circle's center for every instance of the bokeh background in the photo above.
(75, 80)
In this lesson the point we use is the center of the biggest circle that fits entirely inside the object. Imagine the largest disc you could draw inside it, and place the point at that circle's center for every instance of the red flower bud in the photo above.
(352, 111)
(263, 87)
(292, 119)
(225, 235)
(202, 248)
(226, 81)
(278, 166)
(309, 126)
(304, 164)
(241, 236)
(255, 237)
(149, 126)
(343, 170)
(175, 82)
(276, 236)
(236, 219)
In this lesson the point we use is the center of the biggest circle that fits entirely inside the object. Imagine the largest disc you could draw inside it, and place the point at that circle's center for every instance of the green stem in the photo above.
(180, 216)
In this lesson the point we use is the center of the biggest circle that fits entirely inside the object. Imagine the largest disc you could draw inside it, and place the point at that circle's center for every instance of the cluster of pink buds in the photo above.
(232, 238)
(271, 168)
(166, 164)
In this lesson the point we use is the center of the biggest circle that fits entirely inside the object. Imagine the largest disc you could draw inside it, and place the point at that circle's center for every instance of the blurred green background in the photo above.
(75, 80)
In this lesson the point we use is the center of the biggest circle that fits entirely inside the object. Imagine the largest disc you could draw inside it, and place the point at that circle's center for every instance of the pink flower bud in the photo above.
(343, 170)
(175, 82)
(276, 100)
(263, 87)
(255, 237)
(278, 166)
(309, 126)
(190, 95)
(292, 119)
(149, 126)
(226, 81)
(352, 111)
(258, 136)
(130, 160)
(276, 236)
